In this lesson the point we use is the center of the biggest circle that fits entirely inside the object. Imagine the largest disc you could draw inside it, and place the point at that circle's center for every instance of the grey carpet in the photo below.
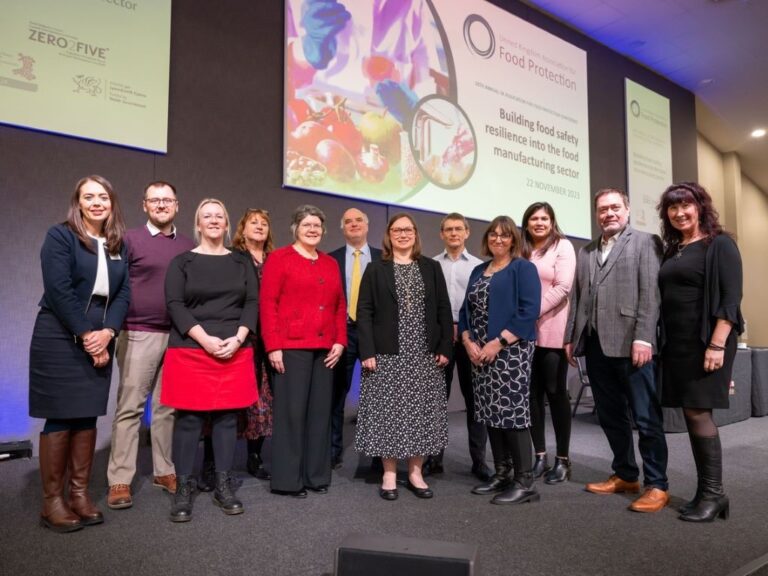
(569, 532)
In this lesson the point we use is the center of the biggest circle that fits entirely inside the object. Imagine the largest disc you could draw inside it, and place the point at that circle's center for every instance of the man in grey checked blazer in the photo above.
(612, 322)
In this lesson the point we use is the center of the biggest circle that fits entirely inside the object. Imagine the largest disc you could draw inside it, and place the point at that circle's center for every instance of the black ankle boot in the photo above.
(522, 490)
(255, 467)
(502, 478)
(540, 466)
(207, 480)
(713, 502)
(181, 510)
(560, 472)
(499, 482)
(224, 497)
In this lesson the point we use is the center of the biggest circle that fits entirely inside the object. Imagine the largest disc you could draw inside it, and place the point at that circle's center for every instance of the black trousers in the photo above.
(301, 410)
(186, 437)
(476, 432)
(549, 378)
(342, 382)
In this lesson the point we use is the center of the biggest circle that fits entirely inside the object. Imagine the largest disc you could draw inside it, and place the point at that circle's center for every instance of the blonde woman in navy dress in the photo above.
(85, 299)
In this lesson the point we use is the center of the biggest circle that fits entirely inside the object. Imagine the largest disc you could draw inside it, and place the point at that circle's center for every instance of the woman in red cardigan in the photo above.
(304, 327)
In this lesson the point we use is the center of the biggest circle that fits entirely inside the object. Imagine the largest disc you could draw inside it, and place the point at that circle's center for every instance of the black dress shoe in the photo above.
(481, 472)
(295, 493)
(255, 466)
(420, 492)
(318, 489)
(388, 494)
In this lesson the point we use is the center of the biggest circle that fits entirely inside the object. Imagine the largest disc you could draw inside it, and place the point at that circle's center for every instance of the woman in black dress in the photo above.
(85, 299)
(212, 298)
(701, 288)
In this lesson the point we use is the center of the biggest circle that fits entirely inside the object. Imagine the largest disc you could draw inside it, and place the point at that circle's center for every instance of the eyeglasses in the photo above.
(402, 231)
(493, 236)
(310, 226)
(160, 201)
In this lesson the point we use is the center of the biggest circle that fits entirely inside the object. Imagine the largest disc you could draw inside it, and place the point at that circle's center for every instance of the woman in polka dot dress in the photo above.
(405, 332)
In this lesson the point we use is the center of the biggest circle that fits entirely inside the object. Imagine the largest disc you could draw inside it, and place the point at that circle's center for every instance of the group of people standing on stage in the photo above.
(233, 337)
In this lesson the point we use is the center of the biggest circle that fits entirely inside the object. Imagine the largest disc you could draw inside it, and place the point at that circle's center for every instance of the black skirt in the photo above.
(63, 382)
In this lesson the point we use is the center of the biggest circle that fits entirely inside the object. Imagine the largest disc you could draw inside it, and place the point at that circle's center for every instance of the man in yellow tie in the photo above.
(353, 257)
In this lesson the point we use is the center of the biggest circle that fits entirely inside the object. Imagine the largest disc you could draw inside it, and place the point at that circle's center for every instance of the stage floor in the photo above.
(569, 532)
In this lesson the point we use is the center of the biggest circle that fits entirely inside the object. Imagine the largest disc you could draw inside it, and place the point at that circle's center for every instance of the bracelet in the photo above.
(240, 342)
(716, 347)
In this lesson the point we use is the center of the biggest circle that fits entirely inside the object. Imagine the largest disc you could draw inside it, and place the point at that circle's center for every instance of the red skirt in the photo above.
(194, 380)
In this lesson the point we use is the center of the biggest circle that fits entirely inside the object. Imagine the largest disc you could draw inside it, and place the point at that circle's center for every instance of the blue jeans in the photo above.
(620, 389)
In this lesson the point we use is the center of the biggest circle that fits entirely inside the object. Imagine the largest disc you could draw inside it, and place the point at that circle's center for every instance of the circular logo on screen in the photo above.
(634, 106)
(479, 36)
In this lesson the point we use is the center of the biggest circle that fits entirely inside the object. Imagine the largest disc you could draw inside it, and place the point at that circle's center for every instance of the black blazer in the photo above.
(340, 255)
(377, 309)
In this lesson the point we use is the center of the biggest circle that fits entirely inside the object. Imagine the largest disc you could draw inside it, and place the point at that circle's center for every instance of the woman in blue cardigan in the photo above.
(498, 328)
(85, 298)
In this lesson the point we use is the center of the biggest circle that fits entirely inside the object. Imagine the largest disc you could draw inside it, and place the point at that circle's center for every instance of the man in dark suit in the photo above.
(353, 257)
(612, 322)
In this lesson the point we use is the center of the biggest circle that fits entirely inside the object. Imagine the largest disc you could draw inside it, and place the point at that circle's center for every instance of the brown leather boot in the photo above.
(82, 444)
(54, 455)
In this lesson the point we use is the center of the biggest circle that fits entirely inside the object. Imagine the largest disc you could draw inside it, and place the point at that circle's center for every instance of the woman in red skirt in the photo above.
(212, 298)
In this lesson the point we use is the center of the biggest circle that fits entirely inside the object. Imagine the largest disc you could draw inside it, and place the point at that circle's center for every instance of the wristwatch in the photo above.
(503, 341)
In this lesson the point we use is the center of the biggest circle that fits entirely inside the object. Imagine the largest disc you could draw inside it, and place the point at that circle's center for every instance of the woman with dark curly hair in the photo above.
(701, 288)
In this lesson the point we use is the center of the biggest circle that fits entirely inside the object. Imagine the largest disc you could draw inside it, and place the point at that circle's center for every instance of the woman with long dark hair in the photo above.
(545, 245)
(85, 299)
(701, 289)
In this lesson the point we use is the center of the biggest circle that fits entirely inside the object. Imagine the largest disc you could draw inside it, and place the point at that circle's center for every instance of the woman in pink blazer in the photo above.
(545, 245)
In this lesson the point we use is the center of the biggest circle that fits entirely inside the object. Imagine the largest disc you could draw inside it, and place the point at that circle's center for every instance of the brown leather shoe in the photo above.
(119, 497)
(613, 485)
(167, 483)
(652, 500)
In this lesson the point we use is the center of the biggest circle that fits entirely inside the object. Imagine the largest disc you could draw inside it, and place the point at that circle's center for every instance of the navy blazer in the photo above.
(514, 300)
(69, 273)
(340, 255)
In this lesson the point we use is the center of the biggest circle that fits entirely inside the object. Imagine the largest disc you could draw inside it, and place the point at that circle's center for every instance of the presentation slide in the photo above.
(436, 105)
(649, 153)
(95, 69)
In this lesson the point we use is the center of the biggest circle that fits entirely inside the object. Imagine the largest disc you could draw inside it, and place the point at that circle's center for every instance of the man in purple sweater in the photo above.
(141, 346)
